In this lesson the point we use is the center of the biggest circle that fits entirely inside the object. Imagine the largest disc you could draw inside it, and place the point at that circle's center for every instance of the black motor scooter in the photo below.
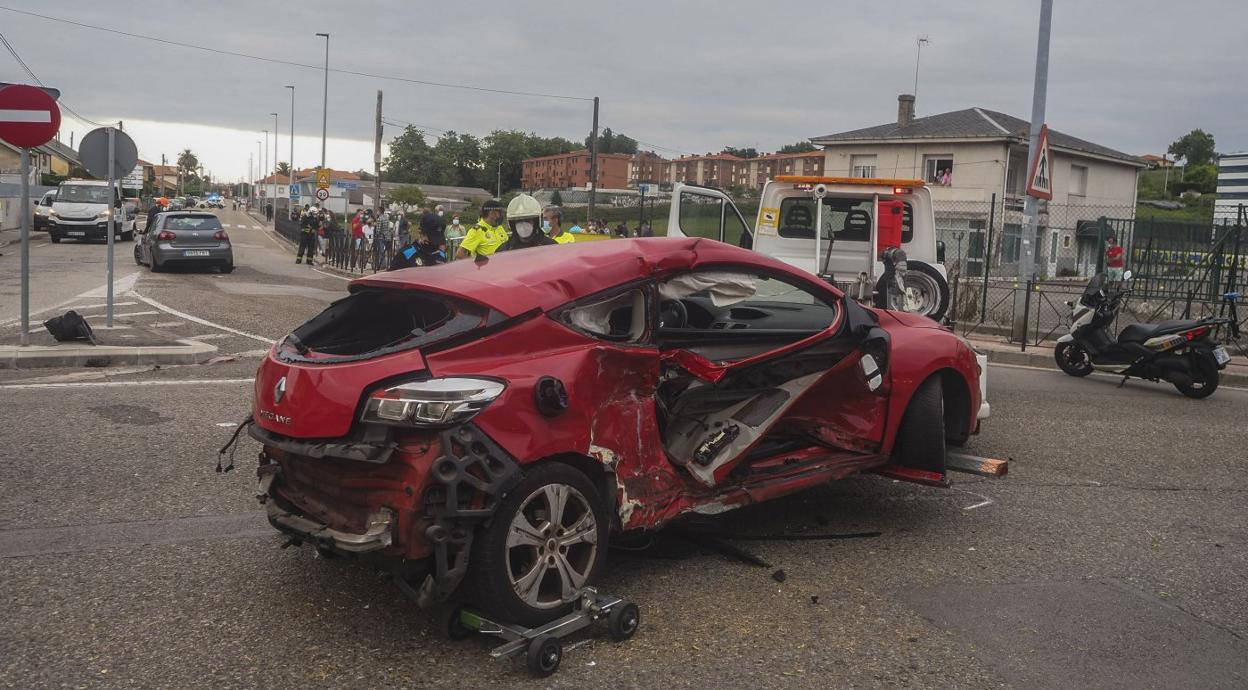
(1182, 352)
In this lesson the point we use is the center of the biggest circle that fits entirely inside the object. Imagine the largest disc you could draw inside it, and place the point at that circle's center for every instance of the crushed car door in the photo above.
(707, 212)
(739, 349)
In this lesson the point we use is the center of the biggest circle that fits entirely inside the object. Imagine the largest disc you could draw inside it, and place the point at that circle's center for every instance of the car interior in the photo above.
(845, 219)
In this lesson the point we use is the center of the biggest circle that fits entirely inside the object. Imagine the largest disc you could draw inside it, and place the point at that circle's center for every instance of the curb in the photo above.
(44, 356)
(1044, 360)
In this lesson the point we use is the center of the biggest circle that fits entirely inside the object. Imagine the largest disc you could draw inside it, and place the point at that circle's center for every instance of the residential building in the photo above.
(1156, 161)
(564, 170)
(1232, 186)
(649, 167)
(52, 158)
(711, 170)
(969, 156)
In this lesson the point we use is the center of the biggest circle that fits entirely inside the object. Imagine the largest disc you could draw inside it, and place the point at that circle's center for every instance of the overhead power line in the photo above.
(290, 63)
(30, 73)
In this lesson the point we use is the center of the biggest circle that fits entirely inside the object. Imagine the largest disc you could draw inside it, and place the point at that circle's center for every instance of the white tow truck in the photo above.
(857, 218)
(852, 213)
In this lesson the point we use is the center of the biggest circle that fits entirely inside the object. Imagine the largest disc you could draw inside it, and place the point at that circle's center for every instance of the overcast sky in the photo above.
(689, 76)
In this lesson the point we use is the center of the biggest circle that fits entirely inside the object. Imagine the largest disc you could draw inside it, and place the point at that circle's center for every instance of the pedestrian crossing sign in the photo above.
(1040, 181)
(322, 178)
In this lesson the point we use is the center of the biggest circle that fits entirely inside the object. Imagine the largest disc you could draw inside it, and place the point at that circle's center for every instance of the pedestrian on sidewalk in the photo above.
(1115, 261)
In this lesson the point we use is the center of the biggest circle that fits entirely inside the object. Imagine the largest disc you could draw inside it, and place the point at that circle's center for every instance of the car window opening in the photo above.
(620, 317)
(378, 321)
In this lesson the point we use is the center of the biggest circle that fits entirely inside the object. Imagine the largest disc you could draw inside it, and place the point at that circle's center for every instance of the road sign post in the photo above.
(109, 153)
(29, 117)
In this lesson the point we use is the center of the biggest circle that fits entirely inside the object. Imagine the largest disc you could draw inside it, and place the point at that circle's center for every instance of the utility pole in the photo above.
(259, 177)
(1031, 208)
(593, 164)
(290, 179)
(499, 193)
(325, 102)
(164, 163)
(267, 168)
(377, 157)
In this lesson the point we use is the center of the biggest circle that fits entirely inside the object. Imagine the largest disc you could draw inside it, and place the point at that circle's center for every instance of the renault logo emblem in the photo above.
(279, 391)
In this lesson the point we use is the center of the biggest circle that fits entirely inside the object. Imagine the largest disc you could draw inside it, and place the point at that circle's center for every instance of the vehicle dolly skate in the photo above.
(541, 645)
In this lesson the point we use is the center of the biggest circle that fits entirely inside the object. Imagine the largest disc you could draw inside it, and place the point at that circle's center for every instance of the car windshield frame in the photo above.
(82, 194)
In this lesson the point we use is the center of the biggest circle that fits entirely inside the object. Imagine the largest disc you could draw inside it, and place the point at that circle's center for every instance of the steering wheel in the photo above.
(673, 314)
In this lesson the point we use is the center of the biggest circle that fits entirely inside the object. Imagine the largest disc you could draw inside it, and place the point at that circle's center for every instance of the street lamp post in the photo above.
(255, 190)
(275, 130)
(325, 102)
(290, 178)
(266, 160)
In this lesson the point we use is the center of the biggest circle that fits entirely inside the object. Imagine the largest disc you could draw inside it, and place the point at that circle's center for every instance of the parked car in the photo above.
(185, 238)
(43, 207)
(80, 212)
(488, 426)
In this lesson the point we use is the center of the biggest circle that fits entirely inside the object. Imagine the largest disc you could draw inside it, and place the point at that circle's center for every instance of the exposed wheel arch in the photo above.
(599, 473)
(958, 413)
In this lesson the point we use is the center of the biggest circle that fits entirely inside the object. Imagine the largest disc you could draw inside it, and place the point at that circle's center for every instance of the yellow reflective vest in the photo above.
(484, 239)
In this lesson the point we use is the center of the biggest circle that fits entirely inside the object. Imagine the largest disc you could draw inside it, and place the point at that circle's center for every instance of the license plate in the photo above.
(1221, 355)
(195, 252)
(76, 234)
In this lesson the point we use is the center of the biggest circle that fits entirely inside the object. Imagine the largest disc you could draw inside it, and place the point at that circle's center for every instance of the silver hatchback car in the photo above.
(185, 238)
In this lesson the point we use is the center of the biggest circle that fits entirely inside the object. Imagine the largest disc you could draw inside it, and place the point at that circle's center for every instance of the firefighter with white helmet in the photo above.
(524, 219)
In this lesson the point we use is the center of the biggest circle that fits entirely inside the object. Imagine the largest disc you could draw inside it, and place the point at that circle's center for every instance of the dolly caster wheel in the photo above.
(545, 653)
(623, 621)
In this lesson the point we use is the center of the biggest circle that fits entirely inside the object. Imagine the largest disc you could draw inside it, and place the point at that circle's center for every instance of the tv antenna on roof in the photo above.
(920, 41)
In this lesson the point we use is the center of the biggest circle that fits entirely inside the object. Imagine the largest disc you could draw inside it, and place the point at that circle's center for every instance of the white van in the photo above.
(847, 211)
(80, 212)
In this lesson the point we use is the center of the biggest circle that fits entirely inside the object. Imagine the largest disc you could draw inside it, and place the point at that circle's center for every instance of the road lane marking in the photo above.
(332, 275)
(135, 313)
(203, 322)
(45, 244)
(121, 286)
(82, 307)
(210, 336)
(17, 543)
(121, 384)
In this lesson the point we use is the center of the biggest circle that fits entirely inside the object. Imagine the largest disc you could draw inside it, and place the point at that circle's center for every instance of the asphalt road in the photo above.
(1113, 555)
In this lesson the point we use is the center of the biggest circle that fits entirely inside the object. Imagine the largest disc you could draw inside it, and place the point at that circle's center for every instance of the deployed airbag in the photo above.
(724, 288)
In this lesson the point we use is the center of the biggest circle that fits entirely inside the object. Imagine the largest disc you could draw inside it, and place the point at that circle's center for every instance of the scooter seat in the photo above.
(1140, 332)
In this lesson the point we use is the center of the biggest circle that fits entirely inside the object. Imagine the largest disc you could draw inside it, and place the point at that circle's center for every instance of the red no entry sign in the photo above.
(28, 116)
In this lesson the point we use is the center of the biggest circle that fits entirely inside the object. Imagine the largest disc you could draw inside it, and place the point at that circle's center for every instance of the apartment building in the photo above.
(570, 170)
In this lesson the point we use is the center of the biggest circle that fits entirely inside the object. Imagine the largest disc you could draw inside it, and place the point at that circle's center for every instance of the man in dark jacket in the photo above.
(434, 230)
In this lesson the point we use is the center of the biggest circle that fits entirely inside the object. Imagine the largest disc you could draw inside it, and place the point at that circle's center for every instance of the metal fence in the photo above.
(1180, 270)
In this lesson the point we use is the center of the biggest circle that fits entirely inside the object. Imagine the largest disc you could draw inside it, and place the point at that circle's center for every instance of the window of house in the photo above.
(938, 169)
(1011, 242)
(1078, 180)
(862, 166)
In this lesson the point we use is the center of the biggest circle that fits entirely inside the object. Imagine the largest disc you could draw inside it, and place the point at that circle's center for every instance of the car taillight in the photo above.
(220, 235)
(166, 236)
(1196, 333)
(432, 403)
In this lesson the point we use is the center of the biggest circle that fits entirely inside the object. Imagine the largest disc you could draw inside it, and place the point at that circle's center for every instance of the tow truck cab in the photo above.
(854, 216)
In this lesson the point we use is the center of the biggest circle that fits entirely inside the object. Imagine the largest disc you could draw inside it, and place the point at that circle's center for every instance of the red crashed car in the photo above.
(488, 426)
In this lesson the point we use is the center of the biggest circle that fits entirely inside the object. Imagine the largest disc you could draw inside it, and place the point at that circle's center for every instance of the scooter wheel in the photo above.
(1204, 378)
(1073, 359)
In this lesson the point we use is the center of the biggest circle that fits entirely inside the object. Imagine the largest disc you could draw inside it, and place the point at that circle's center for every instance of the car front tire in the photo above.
(920, 441)
(546, 542)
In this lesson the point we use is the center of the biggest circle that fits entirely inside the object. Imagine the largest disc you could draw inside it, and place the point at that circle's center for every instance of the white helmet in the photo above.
(523, 206)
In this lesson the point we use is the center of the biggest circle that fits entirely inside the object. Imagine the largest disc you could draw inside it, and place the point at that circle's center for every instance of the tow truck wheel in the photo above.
(546, 542)
(927, 293)
(544, 654)
(623, 621)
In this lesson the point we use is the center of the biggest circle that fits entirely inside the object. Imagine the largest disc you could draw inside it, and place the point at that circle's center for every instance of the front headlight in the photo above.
(432, 403)
(53, 214)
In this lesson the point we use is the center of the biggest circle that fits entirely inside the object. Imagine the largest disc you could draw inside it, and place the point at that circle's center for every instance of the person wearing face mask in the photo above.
(524, 217)
(484, 238)
(552, 225)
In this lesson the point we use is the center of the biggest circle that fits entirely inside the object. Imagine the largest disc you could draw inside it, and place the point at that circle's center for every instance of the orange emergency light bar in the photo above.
(863, 181)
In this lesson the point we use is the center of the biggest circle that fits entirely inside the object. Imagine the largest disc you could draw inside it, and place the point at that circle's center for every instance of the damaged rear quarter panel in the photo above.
(610, 416)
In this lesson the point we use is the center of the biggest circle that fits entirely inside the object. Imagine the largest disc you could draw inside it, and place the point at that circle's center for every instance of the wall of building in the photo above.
(978, 168)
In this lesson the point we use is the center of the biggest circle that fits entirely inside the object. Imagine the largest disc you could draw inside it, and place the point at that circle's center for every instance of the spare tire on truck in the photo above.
(927, 292)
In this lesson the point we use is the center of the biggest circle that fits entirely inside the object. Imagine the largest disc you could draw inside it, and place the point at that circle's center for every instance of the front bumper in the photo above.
(94, 230)
(984, 408)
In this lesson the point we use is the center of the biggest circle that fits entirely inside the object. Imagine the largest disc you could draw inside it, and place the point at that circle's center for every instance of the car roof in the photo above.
(546, 277)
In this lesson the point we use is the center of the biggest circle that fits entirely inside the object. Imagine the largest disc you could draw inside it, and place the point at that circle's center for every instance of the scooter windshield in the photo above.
(1095, 286)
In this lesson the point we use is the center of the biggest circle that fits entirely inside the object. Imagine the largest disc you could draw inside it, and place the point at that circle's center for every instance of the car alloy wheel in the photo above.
(552, 546)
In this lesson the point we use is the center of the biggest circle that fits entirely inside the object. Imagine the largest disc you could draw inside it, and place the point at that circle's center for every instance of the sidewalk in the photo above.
(125, 344)
(1000, 351)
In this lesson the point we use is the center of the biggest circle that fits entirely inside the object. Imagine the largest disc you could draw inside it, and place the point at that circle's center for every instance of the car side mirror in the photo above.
(940, 251)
